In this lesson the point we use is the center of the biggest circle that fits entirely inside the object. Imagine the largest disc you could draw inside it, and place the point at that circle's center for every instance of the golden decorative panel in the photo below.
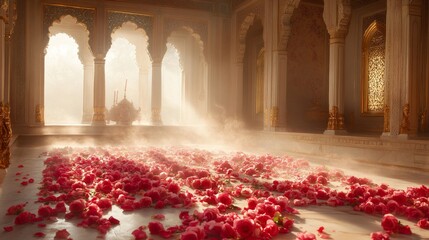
(6, 135)
(373, 68)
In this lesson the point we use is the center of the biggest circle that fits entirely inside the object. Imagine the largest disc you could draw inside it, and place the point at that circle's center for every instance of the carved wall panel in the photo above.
(116, 19)
(198, 27)
(307, 76)
(245, 19)
(53, 13)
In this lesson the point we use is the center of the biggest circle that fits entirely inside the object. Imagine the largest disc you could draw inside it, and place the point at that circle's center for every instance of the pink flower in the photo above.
(390, 223)
(62, 234)
(305, 236)
(244, 227)
(379, 236)
(193, 233)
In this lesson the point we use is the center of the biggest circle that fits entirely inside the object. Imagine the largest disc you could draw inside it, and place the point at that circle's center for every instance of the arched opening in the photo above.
(68, 72)
(172, 86)
(128, 71)
(194, 74)
(253, 76)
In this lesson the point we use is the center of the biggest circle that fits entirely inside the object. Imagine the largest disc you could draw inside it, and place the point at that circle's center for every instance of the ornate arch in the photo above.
(116, 19)
(288, 9)
(84, 16)
(244, 27)
(198, 29)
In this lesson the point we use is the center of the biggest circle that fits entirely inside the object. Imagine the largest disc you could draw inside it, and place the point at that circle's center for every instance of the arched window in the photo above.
(373, 68)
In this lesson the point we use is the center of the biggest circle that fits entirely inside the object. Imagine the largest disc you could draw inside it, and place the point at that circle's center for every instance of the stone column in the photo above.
(3, 20)
(156, 92)
(99, 117)
(145, 90)
(411, 35)
(88, 90)
(403, 67)
(337, 17)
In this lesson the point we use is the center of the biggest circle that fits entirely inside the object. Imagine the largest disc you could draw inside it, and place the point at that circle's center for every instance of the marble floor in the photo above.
(339, 222)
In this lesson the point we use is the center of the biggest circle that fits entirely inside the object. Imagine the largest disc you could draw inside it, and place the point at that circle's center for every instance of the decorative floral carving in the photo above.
(274, 117)
(116, 19)
(289, 8)
(337, 25)
(245, 19)
(53, 13)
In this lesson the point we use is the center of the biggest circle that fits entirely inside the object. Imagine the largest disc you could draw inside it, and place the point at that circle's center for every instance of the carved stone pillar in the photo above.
(145, 92)
(156, 92)
(403, 67)
(237, 92)
(99, 117)
(336, 15)
(412, 66)
(88, 90)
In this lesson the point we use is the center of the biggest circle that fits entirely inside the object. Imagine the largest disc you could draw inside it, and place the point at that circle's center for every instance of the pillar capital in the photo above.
(337, 14)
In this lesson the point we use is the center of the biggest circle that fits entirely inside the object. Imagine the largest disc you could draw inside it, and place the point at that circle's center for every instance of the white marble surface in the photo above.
(339, 222)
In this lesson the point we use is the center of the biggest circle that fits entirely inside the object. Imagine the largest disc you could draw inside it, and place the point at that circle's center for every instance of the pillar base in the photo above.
(335, 132)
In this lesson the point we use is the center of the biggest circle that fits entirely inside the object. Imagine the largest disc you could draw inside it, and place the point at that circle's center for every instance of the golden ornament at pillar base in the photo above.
(386, 121)
(274, 117)
(156, 116)
(405, 122)
(40, 114)
(99, 114)
(335, 120)
(6, 135)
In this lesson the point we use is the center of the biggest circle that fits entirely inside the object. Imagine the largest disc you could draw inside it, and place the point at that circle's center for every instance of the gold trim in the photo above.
(274, 117)
(110, 10)
(266, 117)
(156, 115)
(6, 135)
(405, 122)
(99, 114)
(335, 120)
(40, 118)
(67, 5)
(386, 120)
(374, 27)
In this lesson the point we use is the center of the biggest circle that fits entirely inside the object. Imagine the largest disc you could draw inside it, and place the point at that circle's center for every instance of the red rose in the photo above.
(173, 187)
(423, 223)
(16, 209)
(404, 229)
(210, 214)
(77, 206)
(45, 211)
(60, 207)
(62, 234)
(104, 203)
(156, 227)
(139, 234)
(25, 217)
(390, 223)
(8, 228)
(271, 228)
(244, 227)
(224, 198)
(379, 236)
(228, 231)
